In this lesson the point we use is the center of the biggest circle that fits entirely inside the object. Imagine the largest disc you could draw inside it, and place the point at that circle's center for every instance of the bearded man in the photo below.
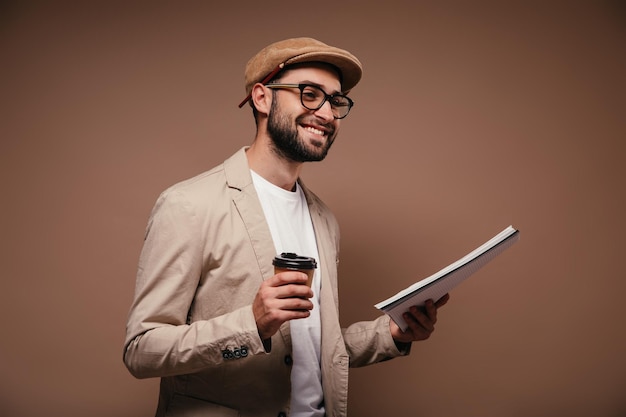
(226, 334)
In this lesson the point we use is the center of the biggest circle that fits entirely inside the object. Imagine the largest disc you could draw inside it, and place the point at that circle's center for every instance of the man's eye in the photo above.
(339, 102)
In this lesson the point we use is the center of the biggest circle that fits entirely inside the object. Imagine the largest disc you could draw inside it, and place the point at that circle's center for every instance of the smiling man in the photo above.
(227, 335)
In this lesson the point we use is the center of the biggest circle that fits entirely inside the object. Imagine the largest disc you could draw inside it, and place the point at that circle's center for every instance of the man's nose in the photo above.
(325, 112)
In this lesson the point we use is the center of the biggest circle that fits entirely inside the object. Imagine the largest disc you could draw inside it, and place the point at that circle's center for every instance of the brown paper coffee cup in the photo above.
(288, 261)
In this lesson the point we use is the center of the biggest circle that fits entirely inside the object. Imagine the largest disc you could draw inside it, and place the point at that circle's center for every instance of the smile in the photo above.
(314, 130)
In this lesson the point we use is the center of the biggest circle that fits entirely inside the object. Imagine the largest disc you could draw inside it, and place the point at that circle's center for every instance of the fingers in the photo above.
(290, 284)
(281, 298)
(442, 301)
(421, 320)
(285, 291)
(289, 277)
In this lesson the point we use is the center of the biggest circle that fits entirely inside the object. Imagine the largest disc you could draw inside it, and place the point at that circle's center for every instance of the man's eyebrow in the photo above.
(320, 86)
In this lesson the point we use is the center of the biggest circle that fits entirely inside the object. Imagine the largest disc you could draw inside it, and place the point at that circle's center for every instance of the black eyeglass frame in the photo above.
(327, 97)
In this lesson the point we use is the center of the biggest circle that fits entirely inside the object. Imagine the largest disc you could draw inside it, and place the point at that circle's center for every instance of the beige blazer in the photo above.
(207, 249)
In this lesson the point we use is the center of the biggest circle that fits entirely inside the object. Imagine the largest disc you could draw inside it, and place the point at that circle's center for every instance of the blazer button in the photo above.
(282, 414)
(244, 351)
(227, 354)
(288, 360)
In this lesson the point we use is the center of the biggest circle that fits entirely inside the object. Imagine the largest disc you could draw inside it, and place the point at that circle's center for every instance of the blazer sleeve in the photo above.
(160, 340)
(369, 342)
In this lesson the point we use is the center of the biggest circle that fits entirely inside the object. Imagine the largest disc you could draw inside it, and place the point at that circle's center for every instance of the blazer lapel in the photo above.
(246, 200)
(326, 245)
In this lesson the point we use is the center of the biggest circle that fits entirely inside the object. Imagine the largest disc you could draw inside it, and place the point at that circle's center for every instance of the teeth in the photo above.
(314, 130)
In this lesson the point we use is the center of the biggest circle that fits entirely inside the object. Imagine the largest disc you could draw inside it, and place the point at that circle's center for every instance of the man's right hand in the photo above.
(281, 298)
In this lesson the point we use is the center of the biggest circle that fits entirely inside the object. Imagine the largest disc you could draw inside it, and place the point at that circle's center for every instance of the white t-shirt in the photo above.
(287, 214)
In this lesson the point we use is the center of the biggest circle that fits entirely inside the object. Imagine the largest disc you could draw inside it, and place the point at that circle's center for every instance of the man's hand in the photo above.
(283, 297)
(421, 322)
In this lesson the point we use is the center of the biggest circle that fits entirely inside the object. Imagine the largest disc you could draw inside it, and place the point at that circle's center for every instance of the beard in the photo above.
(288, 143)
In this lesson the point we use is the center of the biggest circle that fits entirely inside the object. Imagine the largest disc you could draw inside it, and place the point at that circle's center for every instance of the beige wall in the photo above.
(470, 117)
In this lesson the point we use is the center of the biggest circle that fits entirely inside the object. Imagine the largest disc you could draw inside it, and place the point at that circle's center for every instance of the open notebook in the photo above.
(437, 285)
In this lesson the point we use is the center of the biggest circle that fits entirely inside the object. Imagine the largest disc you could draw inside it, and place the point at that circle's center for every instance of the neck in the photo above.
(271, 166)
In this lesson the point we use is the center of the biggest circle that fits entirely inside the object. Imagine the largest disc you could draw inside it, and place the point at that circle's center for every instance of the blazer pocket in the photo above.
(183, 406)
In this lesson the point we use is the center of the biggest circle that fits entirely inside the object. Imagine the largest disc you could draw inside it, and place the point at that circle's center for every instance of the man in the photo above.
(227, 336)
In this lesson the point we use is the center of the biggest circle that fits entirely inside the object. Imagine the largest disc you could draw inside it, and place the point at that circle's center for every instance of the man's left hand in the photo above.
(421, 322)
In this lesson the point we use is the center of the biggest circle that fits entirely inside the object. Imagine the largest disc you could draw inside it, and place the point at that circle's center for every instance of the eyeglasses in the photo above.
(313, 97)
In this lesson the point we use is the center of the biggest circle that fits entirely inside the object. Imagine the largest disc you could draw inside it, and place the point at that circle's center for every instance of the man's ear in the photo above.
(261, 98)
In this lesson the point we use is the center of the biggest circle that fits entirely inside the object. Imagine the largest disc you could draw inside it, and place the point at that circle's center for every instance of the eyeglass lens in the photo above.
(313, 98)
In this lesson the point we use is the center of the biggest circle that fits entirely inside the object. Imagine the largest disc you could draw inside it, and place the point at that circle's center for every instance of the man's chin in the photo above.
(318, 155)
(318, 149)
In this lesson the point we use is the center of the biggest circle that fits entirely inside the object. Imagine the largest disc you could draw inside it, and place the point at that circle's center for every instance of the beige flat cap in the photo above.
(262, 67)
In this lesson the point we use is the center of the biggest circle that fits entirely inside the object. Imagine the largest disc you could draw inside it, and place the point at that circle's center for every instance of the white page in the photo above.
(440, 283)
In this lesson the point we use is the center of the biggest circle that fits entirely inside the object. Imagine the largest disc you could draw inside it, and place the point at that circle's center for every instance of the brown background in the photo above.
(470, 117)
